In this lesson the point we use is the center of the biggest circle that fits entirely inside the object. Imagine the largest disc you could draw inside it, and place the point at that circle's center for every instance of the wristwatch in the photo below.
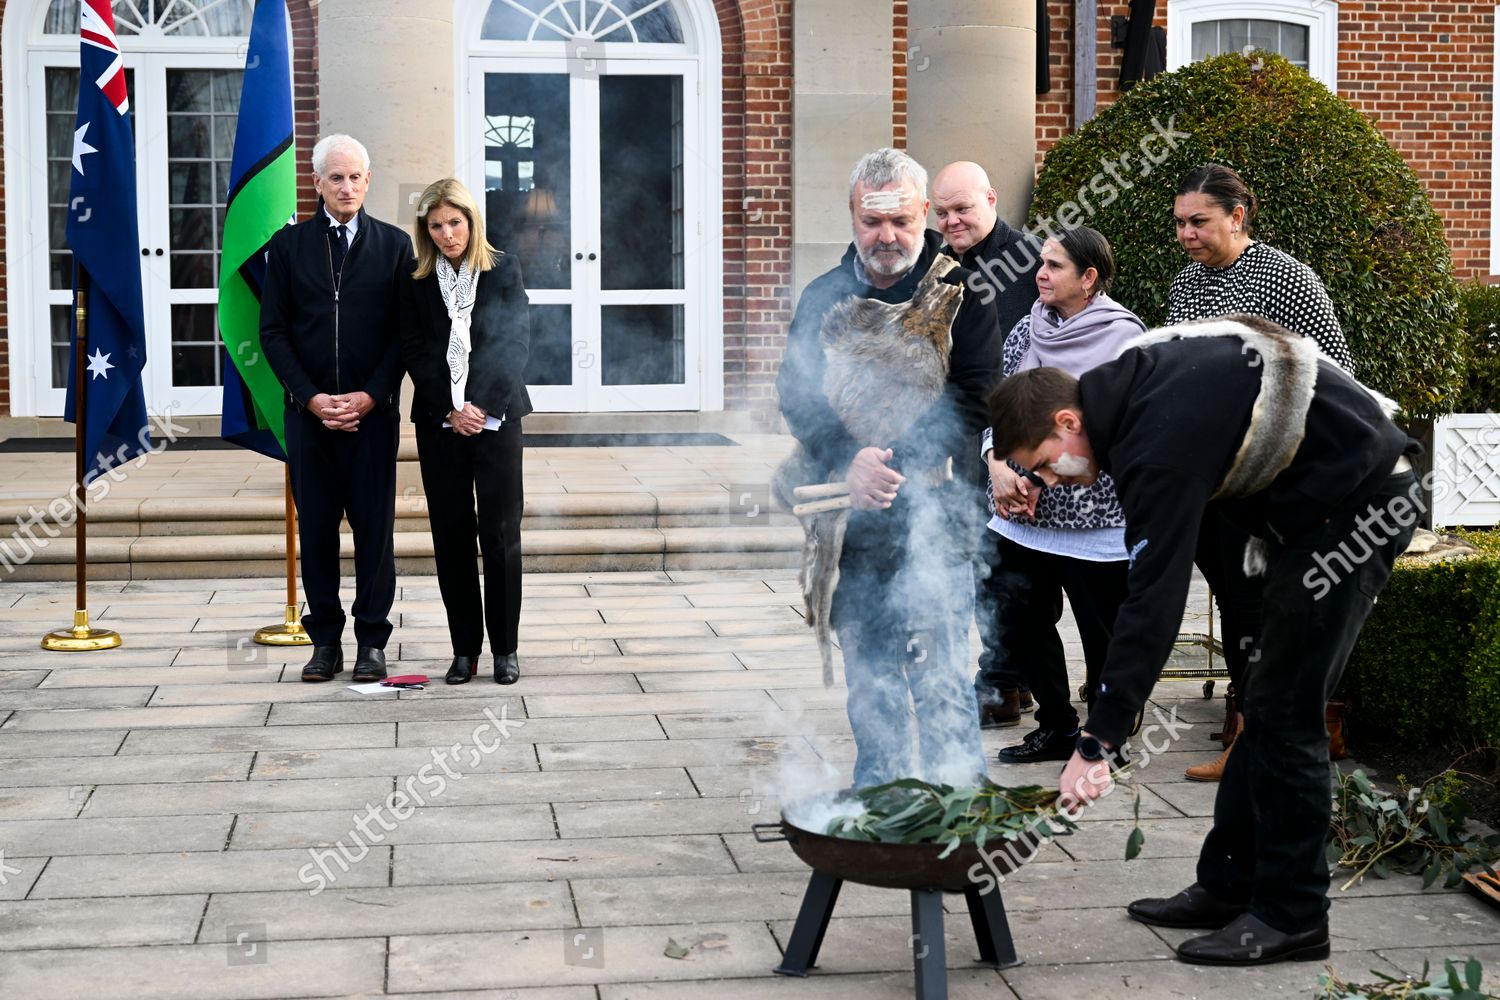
(1089, 748)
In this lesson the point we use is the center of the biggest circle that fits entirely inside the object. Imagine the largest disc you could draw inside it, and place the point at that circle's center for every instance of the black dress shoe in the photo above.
(369, 664)
(1250, 941)
(1192, 907)
(1041, 745)
(507, 669)
(326, 661)
(464, 667)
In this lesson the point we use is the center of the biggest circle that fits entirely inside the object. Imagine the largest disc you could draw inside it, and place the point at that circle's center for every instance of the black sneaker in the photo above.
(1041, 745)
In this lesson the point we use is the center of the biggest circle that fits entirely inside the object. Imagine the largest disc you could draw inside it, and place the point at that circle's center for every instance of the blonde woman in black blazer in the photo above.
(465, 341)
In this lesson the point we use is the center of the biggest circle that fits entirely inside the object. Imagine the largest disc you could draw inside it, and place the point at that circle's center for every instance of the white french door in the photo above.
(184, 110)
(594, 181)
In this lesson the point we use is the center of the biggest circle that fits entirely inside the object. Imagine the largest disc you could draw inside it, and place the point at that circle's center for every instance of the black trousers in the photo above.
(1028, 587)
(1271, 814)
(1221, 558)
(338, 474)
(457, 471)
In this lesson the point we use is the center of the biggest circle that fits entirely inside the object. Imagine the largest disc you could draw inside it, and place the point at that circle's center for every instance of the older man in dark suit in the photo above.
(328, 327)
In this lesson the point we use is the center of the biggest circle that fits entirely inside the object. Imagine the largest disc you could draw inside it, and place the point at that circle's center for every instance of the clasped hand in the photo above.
(469, 420)
(342, 412)
(1013, 494)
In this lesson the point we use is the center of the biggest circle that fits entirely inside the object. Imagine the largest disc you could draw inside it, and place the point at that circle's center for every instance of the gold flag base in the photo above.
(291, 633)
(81, 638)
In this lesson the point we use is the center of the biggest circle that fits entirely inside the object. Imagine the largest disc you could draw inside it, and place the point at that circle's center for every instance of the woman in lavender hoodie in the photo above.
(1068, 538)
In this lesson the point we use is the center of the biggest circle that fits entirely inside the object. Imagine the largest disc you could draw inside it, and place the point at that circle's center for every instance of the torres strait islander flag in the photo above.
(103, 235)
(262, 199)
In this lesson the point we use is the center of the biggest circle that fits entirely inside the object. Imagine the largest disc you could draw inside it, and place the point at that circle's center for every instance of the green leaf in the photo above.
(1437, 820)
(1474, 973)
(675, 950)
(1133, 843)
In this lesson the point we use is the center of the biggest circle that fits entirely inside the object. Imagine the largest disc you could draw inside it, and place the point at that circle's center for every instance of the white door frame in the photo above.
(1320, 17)
(154, 182)
(700, 61)
(26, 51)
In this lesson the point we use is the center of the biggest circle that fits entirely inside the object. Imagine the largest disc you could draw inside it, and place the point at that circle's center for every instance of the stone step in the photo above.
(252, 515)
(220, 554)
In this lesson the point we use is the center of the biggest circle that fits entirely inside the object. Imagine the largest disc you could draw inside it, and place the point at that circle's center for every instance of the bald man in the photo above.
(1004, 263)
(1004, 260)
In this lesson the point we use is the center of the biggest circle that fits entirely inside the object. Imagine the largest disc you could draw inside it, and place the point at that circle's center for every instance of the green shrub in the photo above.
(1426, 669)
(1481, 313)
(1333, 193)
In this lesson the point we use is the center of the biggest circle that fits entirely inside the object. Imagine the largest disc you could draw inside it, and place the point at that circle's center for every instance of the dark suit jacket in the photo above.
(321, 340)
(499, 336)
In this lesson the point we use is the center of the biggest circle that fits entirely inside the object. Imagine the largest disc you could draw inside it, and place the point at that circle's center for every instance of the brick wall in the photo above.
(1423, 73)
(898, 73)
(757, 197)
(305, 101)
(305, 111)
(1054, 109)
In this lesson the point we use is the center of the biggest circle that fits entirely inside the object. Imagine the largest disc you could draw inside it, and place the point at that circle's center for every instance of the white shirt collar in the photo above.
(353, 223)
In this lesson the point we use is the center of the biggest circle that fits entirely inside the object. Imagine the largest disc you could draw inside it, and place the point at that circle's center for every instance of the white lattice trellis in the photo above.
(1466, 470)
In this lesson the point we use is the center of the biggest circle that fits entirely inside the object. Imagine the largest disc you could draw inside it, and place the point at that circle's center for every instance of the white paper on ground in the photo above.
(373, 688)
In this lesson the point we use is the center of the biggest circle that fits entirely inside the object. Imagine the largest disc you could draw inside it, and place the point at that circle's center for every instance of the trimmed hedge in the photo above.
(1426, 669)
(1481, 312)
(1333, 193)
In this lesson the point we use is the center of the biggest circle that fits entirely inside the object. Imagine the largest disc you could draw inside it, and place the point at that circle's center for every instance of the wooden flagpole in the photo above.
(81, 637)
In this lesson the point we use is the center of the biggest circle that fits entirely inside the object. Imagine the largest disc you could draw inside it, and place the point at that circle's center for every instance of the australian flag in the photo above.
(103, 235)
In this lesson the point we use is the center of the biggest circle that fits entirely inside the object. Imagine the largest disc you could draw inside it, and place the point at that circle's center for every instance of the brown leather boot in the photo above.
(1007, 711)
(1214, 769)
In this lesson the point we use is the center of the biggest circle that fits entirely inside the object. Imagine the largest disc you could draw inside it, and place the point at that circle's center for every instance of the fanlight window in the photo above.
(583, 20)
(177, 18)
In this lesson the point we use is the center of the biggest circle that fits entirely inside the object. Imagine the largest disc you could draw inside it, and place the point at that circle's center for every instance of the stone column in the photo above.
(971, 91)
(841, 110)
(385, 74)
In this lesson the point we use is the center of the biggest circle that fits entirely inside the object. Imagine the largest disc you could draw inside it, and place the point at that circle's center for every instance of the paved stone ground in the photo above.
(158, 803)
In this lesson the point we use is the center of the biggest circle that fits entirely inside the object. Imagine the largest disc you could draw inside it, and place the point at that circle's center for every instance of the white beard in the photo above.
(877, 265)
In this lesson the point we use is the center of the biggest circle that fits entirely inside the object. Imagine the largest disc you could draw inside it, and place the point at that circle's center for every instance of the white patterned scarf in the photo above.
(458, 288)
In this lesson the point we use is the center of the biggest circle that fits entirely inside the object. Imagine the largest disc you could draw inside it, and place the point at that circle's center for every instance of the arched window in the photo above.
(1304, 31)
(181, 18)
(583, 20)
(594, 129)
(183, 65)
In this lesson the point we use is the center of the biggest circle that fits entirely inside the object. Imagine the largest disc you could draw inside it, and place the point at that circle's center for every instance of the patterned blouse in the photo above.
(1265, 282)
(1068, 508)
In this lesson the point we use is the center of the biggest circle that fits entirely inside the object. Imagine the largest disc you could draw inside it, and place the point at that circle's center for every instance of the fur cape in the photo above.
(1278, 420)
(887, 363)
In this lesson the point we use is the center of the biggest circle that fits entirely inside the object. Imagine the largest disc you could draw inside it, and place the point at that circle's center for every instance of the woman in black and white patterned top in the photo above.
(1233, 273)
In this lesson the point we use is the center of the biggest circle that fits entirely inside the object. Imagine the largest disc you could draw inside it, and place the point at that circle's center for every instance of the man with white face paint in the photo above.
(902, 606)
(1234, 421)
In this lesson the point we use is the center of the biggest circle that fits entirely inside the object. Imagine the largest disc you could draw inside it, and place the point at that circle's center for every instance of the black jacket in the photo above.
(499, 337)
(950, 427)
(1166, 421)
(327, 333)
(1004, 266)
